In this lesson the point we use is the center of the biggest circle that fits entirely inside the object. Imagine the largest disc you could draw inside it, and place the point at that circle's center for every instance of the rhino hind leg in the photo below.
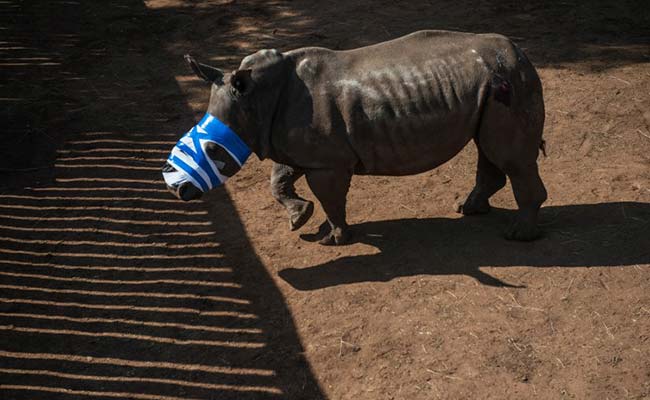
(509, 137)
(283, 178)
(331, 188)
(529, 193)
(489, 180)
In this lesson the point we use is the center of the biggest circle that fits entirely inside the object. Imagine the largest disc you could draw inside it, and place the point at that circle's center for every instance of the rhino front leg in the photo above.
(283, 178)
(331, 188)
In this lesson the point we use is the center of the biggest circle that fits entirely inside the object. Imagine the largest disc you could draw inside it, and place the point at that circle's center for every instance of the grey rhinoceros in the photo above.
(399, 107)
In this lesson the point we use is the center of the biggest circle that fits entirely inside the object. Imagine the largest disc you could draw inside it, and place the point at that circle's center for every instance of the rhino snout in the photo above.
(183, 190)
(187, 191)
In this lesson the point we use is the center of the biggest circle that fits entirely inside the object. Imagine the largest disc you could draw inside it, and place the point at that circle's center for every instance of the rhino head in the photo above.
(238, 121)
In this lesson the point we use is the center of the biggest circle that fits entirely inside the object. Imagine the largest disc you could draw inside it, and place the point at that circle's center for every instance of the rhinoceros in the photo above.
(395, 108)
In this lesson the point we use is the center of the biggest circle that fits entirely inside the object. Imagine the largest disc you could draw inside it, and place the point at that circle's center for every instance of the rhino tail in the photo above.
(542, 147)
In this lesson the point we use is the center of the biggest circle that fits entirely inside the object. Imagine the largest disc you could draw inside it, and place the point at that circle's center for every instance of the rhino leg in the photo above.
(510, 137)
(530, 194)
(283, 178)
(489, 179)
(331, 188)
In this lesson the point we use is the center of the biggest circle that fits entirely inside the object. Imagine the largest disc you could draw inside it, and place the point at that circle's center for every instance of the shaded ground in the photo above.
(423, 305)
(108, 286)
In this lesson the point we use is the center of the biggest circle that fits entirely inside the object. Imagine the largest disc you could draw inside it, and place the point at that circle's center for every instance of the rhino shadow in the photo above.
(598, 235)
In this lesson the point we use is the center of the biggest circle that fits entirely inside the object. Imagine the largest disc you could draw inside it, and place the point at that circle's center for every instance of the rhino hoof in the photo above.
(524, 232)
(473, 207)
(336, 237)
(301, 216)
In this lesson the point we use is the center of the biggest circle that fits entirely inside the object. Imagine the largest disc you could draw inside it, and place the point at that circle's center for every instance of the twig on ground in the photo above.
(566, 293)
(515, 300)
(602, 282)
(343, 342)
(443, 374)
(607, 329)
(642, 134)
(619, 79)
(512, 342)
(408, 208)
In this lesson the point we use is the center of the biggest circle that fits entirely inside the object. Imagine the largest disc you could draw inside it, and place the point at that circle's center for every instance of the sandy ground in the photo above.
(109, 288)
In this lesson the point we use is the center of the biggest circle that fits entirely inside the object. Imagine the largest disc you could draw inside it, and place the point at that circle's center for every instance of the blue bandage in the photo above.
(191, 161)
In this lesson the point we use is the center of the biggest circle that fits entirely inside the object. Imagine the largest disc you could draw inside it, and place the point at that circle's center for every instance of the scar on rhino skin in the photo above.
(502, 90)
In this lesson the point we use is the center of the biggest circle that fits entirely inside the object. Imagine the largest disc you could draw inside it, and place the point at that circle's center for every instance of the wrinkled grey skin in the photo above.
(395, 108)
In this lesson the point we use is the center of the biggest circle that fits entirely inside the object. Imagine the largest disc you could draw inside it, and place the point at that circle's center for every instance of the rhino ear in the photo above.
(205, 72)
(241, 81)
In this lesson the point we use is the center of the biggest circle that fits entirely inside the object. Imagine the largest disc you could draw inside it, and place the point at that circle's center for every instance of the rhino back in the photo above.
(395, 108)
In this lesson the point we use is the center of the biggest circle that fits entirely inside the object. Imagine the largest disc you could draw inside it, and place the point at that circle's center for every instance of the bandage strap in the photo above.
(189, 156)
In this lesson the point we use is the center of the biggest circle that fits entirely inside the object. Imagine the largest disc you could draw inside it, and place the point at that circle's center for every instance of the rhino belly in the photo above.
(409, 148)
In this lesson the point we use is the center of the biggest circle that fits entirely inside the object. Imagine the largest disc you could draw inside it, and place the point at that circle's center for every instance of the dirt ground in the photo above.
(110, 288)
